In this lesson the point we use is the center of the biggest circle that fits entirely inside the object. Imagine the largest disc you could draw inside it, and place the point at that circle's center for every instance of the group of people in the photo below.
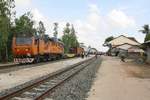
(86, 55)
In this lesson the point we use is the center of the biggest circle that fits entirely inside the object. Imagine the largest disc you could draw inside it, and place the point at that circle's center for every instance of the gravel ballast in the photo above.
(77, 87)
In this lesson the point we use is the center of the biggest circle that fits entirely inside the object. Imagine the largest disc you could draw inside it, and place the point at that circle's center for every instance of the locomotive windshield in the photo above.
(23, 40)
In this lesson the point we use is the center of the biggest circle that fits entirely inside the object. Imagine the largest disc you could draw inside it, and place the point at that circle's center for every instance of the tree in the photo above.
(41, 29)
(65, 37)
(67, 29)
(6, 14)
(24, 25)
(109, 39)
(74, 42)
(55, 29)
(146, 30)
(69, 38)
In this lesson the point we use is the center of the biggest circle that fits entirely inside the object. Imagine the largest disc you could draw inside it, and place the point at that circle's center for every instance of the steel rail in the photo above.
(29, 87)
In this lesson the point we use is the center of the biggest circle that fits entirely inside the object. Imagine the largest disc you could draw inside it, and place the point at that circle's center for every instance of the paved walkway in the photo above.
(15, 78)
(113, 82)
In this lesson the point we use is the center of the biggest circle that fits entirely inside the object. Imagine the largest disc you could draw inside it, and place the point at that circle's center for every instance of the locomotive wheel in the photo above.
(46, 58)
(57, 57)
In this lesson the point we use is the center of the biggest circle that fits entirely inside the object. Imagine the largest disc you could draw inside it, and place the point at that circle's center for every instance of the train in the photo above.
(34, 49)
(76, 51)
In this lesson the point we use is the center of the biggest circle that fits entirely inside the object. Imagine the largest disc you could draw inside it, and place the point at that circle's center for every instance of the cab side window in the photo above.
(36, 41)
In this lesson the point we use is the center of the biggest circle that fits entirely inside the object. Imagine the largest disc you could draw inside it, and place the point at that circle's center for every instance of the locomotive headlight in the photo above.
(27, 49)
(18, 50)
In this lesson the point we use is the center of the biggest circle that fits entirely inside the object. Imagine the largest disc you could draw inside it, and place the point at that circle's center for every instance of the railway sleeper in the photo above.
(21, 98)
(39, 89)
(30, 94)
(43, 86)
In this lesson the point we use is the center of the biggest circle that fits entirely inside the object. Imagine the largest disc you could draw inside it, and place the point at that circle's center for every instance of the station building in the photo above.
(128, 46)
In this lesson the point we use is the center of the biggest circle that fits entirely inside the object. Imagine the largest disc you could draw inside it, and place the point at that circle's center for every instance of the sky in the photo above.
(94, 20)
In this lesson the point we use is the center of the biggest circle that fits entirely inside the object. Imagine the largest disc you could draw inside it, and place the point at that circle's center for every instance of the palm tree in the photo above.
(55, 29)
(146, 30)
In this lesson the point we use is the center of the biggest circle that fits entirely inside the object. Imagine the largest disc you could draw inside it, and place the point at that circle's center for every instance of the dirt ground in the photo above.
(117, 80)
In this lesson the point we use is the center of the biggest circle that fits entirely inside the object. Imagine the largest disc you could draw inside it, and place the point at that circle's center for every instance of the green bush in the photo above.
(10, 58)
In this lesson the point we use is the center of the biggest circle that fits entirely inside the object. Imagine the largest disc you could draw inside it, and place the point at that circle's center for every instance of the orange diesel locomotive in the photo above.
(78, 51)
(35, 49)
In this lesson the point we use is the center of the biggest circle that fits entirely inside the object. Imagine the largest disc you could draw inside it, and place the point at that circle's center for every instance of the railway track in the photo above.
(39, 90)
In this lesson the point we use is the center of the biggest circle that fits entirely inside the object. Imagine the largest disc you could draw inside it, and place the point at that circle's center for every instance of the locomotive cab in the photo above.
(24, 48)
(28, 49)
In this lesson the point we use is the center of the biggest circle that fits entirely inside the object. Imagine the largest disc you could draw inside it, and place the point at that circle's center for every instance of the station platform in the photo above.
(7, 64)
(115, 81)
(14, 78)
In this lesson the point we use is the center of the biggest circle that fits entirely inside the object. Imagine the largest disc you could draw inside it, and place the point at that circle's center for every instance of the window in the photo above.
(36, 41)
(23, 41)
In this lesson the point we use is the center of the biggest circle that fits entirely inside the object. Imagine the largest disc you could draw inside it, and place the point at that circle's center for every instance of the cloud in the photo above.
(93, 8)
(48, 23)
(119, 19)
(96, 27)
(38, 16)
(23, 2)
